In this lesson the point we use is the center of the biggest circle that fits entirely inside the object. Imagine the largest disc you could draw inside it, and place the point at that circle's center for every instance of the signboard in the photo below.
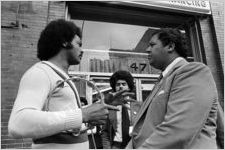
(200, 7)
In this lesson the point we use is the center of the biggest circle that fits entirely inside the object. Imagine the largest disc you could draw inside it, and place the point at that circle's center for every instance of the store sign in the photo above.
(202, 7)
(195, 4)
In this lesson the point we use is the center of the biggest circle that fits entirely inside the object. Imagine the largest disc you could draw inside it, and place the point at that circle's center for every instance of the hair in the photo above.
(122, 75)
(56, 35)
(169, 36)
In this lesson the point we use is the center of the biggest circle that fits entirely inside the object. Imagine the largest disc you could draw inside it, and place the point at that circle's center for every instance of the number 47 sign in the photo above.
(138, 67)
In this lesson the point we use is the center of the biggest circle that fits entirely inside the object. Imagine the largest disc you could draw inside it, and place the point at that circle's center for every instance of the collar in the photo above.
(171, 65)
(67, 77)
(57, 68)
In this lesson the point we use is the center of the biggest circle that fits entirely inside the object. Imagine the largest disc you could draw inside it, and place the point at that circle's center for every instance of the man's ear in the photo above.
(64, 45)
(171, 47)
(67, 45)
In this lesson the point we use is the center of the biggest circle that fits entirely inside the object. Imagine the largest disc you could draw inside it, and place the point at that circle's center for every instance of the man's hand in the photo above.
(96, 113)
(119, 98)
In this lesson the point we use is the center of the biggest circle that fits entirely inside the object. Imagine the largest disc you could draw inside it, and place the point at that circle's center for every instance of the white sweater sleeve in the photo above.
(27, 119)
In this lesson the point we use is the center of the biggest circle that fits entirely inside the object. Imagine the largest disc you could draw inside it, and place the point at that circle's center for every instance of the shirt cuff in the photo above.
(73, 119)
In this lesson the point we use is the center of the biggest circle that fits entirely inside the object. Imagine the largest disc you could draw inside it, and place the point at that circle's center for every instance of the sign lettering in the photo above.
(138, 66)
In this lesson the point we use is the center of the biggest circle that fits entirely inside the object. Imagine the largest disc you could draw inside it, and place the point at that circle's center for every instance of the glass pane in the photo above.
(146, 88)
(102, 84)
(145, 94)
(109, 47)
(110, 36)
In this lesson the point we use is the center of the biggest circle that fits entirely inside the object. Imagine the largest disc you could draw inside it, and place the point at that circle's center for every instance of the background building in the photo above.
(114, 37)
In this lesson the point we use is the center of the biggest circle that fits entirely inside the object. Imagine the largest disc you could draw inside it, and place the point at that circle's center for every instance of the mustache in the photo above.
(81, 54)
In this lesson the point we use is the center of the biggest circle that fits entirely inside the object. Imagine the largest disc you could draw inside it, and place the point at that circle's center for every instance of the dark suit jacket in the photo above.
(180, 112)
(110, 127)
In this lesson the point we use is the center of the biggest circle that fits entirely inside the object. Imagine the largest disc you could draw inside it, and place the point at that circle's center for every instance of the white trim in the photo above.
(106, 89)
(111, 51)
(138, 90)
(106, 74)
(137, 78)
(67, 15)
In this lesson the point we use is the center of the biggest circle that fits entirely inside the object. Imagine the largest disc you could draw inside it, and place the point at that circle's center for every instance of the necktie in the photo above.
(158, 81)
(125, 125)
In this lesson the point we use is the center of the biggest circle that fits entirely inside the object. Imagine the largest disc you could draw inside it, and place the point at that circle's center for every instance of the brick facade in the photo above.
(212, 30)
(217, 7)
(217, 22)
(19, 45)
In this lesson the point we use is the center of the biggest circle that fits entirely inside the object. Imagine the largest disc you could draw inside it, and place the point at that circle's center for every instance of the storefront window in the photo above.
(113, 36)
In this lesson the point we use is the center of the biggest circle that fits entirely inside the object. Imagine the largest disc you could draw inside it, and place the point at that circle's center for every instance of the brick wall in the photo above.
(217, 7)
(212, 28)
(18, 51)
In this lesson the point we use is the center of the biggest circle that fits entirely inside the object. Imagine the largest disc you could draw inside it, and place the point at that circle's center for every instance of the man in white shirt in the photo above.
(52, 116)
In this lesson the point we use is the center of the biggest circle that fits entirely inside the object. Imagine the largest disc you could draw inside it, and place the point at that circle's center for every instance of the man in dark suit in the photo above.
(181, 112)
(115, 134)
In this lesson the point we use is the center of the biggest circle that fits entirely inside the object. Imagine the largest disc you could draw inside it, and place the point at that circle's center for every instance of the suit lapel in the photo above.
(148, 101)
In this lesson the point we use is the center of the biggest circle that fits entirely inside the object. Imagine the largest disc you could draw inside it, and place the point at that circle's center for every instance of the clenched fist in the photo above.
(96, 113)
(119, 98)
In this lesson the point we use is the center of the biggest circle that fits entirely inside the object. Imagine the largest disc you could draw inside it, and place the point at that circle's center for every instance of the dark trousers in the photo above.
(118, 145)
(98, 141)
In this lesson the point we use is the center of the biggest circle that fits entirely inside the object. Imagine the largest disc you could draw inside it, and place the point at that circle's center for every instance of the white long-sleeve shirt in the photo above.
(29, 119)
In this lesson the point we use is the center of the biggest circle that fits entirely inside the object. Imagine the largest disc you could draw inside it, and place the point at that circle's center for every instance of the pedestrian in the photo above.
(181, 111)
(53, 119)
(116, 132)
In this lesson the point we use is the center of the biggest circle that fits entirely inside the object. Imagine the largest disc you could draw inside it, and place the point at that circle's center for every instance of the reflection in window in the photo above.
(113, 46)
(113, 36)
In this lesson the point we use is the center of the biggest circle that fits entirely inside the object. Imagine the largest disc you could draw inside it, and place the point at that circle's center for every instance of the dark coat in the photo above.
(110, 127)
